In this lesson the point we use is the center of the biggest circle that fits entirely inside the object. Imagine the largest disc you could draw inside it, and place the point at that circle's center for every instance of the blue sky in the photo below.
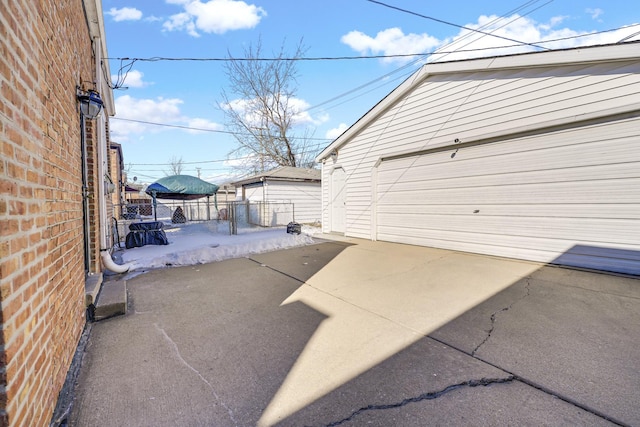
(332, 93)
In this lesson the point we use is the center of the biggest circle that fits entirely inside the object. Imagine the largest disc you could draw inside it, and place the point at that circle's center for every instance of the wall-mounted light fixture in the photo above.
(334, 155)
(90, 103)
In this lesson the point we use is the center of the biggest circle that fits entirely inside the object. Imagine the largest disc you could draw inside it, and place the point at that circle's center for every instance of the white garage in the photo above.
(287, 194)
(532, 156)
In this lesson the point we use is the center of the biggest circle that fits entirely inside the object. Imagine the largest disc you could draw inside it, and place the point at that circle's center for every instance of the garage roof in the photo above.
(283, 173)
(581, 55)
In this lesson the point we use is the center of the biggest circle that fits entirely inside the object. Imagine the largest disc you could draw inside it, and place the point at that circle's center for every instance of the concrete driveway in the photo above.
(355, 332)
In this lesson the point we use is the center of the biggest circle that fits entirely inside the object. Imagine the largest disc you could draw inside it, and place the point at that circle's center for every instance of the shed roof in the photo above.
(556, 58)
(283, 173)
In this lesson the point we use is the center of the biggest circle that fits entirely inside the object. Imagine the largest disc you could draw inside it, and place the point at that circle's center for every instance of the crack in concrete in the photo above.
(495, 313)
(539, 387)
(204, 380)
(425, 396)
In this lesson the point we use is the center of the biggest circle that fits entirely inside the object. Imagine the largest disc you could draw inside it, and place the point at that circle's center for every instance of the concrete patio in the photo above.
(353, 332)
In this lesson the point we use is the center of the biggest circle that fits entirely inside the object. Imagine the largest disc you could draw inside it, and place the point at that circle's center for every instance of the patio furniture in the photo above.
(146, 233)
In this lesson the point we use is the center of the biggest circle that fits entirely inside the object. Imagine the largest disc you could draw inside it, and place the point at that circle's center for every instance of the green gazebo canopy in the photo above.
(181, 187)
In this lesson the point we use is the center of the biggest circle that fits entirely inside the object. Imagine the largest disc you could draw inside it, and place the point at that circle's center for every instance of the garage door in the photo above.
(569, 197)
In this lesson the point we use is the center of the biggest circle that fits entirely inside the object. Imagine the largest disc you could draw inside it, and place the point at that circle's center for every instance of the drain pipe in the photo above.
(109, 264)
(101, 148)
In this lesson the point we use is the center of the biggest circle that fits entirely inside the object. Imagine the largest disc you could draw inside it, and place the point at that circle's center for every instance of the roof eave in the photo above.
(579, 55)
(95, 23)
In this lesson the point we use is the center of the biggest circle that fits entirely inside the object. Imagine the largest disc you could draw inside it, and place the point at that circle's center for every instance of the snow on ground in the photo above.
(203, 242)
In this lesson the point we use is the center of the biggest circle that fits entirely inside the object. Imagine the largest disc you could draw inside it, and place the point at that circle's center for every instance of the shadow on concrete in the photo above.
(559, 346)
(202, 345)
(369, 333)
(623, 261)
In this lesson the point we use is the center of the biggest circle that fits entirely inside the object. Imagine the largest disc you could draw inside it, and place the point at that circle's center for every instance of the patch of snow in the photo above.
(203, 242)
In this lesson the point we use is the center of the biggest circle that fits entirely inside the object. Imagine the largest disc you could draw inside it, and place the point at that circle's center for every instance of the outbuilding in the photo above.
(299, 187)
(533, 156)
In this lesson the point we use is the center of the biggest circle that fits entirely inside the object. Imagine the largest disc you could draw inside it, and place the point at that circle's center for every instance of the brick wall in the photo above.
(45, 52)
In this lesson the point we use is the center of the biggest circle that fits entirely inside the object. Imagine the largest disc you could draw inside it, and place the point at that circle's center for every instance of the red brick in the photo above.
(8, 266)
(41, 252)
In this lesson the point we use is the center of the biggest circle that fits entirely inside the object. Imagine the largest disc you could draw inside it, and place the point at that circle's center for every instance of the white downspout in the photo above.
(105, 249)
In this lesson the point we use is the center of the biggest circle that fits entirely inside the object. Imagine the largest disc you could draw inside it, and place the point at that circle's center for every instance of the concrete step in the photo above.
(112, 300)
(92, 285)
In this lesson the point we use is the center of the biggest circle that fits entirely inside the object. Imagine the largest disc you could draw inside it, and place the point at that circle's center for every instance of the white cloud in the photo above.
(391, 41)
(336, 132)
(199, 125)
(595, 13)
(181, 21)
(144, 111)
(125, 14)
(214, 16)
(153, 19)
(302, 116)
(472, 44)
(504, 30)
(549, 35)
(295, 106)
(133, 79)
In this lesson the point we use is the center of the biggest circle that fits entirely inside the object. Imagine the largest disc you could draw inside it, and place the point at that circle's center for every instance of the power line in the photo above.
(197, 129)
(170, 126)
(190, 163)
(309, 58)
(200, 162)
(456, 25)
(301, 58)
(196, 169)
(462, 51)
(120, 80)
(489, 26)
(441, 52)
(397, 55)
(400, 55)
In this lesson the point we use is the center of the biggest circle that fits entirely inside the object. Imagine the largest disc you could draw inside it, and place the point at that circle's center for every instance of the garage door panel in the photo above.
(613, 211)
(540, 201)
(625, 191)
(590, 229)
(499, 161)
(585, 175)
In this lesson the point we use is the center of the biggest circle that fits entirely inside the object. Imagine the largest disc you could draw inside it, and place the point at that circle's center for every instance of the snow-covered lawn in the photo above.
(202, 242)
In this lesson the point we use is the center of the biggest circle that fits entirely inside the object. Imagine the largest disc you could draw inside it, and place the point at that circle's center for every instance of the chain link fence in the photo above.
(262, 214)
(165, 210)
(238, 213)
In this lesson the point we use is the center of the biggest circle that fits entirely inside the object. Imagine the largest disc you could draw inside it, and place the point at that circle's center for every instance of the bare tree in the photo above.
(264, 111)
(176, 165)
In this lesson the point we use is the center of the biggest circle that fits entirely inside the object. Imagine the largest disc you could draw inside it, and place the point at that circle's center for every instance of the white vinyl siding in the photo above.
(469, 106)
(254, 192)
(501, 104)
(305, 197)
(569, 197)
